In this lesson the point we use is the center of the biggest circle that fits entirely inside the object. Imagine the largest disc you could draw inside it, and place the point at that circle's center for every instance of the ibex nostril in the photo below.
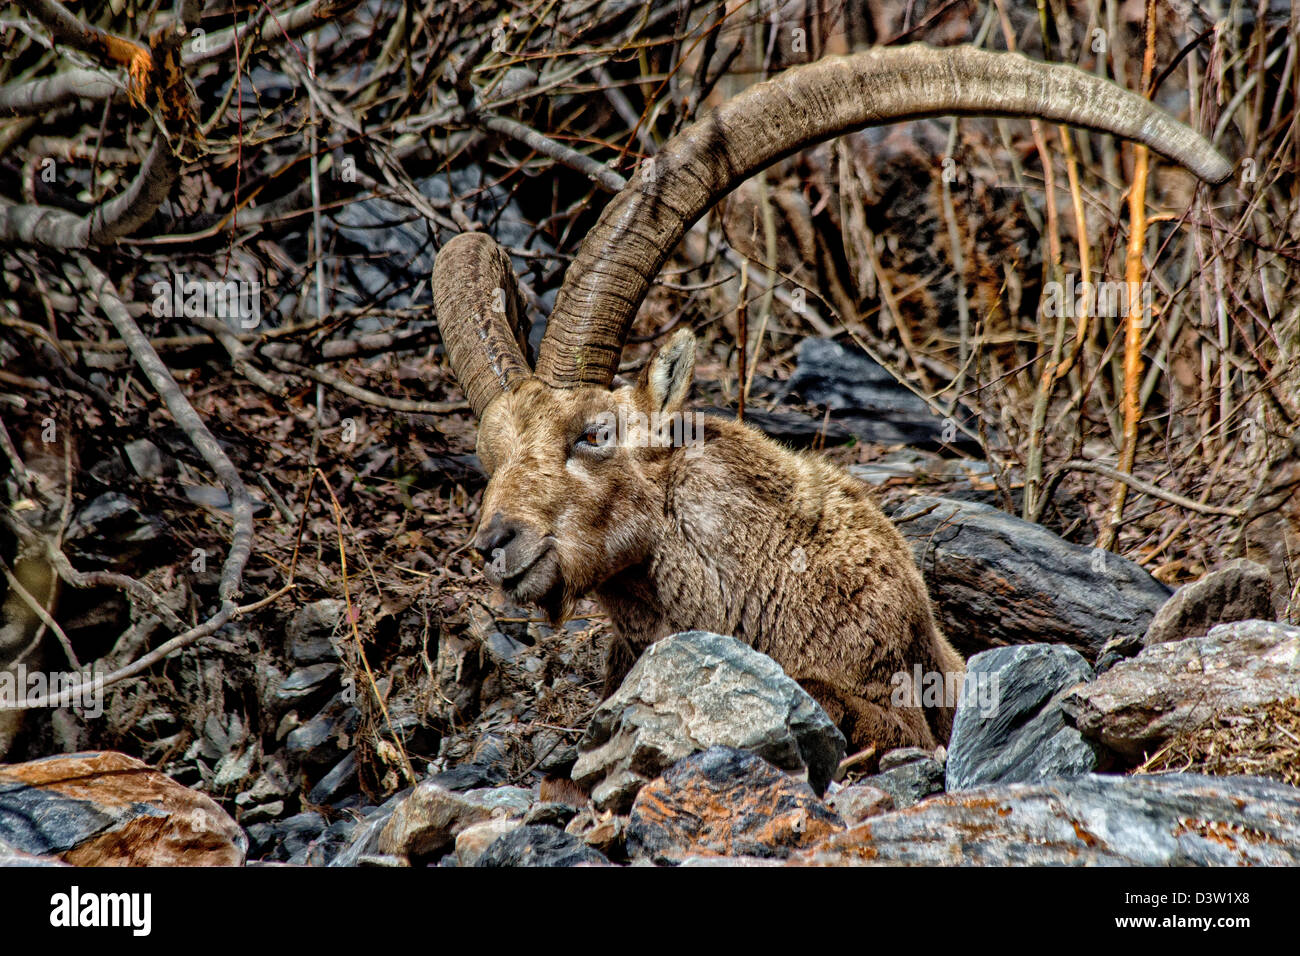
(495, 537)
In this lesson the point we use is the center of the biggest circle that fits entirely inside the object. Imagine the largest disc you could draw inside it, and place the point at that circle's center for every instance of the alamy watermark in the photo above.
(1071, 299)
(84, 689)
(922, 688)
(184, 297)
(655, 430)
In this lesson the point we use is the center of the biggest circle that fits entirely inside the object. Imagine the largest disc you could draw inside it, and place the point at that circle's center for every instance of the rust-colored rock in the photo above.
(726, 802)
(109, 809)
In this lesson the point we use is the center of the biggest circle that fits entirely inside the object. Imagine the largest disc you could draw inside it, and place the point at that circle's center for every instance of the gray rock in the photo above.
(12, 856)
(998, 580)
(287, 839)
(858, 802)
(554, 756)
(336, 783)
(693, 691)
(1241, 590)
(866, 399)
(1095, 820)
(145, 458)
(426, 822)
(365, 836)
(325, 738)
(551, 813)
(302, 682)
(310, 632)
(910, 783)
(1179, 685)
(532, 845)
(1024, 735)
(1118, 649)
(902, 756)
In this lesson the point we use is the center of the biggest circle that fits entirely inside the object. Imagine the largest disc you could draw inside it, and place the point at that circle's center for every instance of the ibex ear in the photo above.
(666, 379)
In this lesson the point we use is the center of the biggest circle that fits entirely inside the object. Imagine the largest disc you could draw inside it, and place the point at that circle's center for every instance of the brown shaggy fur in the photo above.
(736, 535)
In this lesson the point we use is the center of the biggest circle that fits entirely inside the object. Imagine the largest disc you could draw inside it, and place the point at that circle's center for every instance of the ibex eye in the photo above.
(595, 437)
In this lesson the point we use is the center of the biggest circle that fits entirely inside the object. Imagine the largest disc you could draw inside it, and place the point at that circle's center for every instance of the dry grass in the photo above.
(1261, 741)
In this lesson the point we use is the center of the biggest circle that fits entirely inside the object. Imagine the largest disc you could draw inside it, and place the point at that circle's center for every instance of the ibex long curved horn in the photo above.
(641, 226)
(477, 301)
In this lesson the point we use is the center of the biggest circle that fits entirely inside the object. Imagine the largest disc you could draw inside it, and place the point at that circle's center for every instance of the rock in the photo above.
(729, 862)
(726, 802)
(693, 691)
(328, 736)
(998, 580)
(426, 823)
(334, 785)
(302, 682)
(604, 832)
(487, 766)
(553, 814)
(145, 458)
(554, 754)
(1118, 649)
(1013, 730)
(110, 532)
(12, 856)
(1241, 590)
(108, 809)
(364, 842)
(909, 783)
(289, 838)
(867, 400)
(262, 813)
(856, 803)
(1179, 685)
(1166, 820)
(311, 631)
(472, 841)
(233, 768)
(332, 841)
(539, 846)
(902, 756)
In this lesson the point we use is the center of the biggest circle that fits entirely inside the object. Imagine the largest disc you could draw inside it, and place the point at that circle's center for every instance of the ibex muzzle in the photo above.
(731, 532)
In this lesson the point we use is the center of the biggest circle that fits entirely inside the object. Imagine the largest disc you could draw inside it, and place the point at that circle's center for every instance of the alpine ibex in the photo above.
(735, 534)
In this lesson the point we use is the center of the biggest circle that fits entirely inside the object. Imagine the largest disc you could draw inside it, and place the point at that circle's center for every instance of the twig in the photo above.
(1137, 484)
(598, 172)
(340, 384)
(1133, 274)
(42, 613)
(241, 505)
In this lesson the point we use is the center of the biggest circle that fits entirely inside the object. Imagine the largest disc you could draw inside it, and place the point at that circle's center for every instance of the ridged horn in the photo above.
(477, 300)
(641, 226)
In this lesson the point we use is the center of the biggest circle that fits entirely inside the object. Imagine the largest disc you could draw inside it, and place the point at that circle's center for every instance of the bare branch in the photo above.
(1137, 484)
(241, 505)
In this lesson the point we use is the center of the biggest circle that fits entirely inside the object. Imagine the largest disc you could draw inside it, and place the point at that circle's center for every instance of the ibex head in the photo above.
(568, 505)
(576, 477)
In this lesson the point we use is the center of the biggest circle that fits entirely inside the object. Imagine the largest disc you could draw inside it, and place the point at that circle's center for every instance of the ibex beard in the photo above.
(732, 533)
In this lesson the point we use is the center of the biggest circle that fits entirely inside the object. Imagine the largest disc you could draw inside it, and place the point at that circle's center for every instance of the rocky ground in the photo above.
(1094, 750)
